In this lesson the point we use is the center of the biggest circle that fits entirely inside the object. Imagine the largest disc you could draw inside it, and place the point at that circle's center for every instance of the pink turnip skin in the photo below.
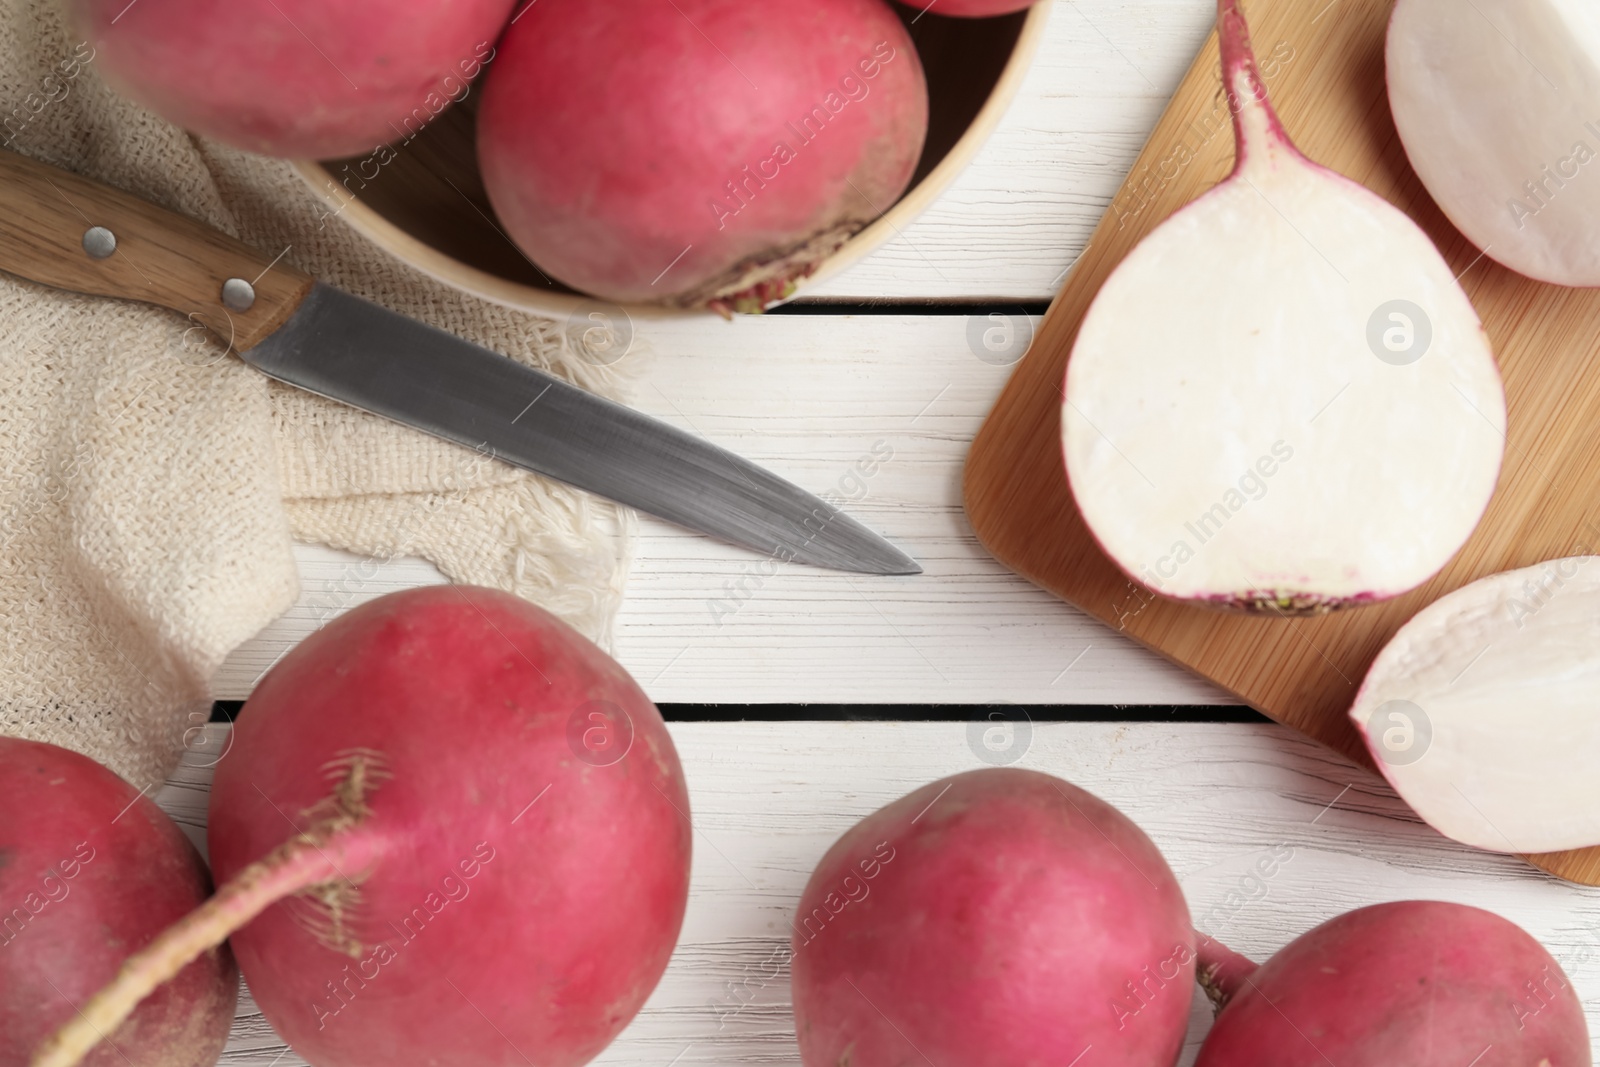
(296, 78)
(482, 879)
(1419, 983)
(652, 152)
(999, 918)
(91, 871)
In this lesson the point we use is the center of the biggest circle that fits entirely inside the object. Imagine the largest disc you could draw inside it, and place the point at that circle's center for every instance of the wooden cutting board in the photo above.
(1323, 65)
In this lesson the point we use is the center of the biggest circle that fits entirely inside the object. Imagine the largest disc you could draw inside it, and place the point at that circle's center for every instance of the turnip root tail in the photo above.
(1255, 124)
(1220, 971)
(336, 847)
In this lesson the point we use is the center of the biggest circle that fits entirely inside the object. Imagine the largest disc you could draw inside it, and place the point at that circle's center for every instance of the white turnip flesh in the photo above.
(1281, 400)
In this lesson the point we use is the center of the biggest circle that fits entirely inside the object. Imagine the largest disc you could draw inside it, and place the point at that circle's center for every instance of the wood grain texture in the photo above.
(161, 257)
(769, 798)
(813, 397)
(1328, 85)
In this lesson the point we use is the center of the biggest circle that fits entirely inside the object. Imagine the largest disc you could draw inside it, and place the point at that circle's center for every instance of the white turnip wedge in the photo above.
(1484, 710)
(1498, 105)
(1281, 400)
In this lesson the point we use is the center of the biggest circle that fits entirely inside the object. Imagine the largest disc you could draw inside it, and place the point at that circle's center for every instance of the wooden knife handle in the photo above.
(154, 255)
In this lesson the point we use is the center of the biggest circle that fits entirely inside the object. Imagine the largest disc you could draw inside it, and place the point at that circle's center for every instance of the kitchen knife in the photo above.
(61, 230)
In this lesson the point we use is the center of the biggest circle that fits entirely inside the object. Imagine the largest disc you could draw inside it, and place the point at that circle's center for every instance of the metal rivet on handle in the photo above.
(238, 294)
(99, 242)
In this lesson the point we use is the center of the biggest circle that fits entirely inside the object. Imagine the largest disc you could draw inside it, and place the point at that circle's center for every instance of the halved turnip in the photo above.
(1484, 710)
(1498, 105)
(1418, 983)
(1281, 400)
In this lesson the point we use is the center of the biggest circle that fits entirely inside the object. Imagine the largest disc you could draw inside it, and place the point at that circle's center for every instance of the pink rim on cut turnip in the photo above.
(1484, 710)
(1498, 105)
(1281, 400)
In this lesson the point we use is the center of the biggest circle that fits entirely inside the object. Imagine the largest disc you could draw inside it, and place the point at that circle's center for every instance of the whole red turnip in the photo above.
(701, 152)
(999, 918)
(449, 830)
(294, 77)
(1419, 983)
(90, 871)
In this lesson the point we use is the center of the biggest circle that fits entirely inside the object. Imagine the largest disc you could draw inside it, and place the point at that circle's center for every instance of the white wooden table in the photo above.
(769, 798)
(808, 395)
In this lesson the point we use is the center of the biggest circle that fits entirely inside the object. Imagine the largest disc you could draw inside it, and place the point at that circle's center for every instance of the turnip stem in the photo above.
(1256, 128)
(306, 860)
(1220, 971)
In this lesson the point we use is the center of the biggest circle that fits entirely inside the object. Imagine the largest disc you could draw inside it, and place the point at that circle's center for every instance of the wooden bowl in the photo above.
(427, 205)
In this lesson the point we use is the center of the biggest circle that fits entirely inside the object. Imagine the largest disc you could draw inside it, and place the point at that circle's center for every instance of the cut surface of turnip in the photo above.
(1281, 400)
(1498, 105)
(1484, 710)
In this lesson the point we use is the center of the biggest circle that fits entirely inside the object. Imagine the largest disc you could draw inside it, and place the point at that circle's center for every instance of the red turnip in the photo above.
(449, 830)
(91, 870)
(1483, 711)
(1500, 116)
(701, 152)
(998, 918)
(1419, 983)
(294, 77)
(1281, 400)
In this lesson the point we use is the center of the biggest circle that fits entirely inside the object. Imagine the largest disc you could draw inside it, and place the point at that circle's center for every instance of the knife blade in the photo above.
(69, 232)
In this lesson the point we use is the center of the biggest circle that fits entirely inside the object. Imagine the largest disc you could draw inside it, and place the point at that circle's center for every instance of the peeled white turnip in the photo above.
(994, 919)
(450, 830)
(1484, 710)
(1498, 105)
(1418, 983)
(698, 152)
(1281, 400)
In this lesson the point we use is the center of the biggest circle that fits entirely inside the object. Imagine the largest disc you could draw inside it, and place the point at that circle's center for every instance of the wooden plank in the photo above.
(812, 397)
(768, 799)
(1330, 93)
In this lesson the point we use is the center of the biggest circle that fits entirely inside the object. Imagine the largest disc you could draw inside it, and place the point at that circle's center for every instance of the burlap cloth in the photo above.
(149, 494)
